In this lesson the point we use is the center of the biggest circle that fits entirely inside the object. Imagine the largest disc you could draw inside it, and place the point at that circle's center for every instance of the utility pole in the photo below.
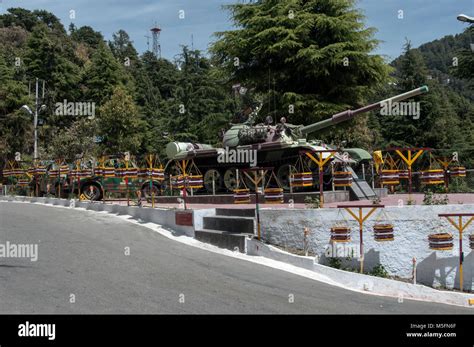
(38, 109)
(35, 122)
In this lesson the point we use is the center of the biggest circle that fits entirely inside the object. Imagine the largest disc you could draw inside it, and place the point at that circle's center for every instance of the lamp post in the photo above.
(38, 109)
(465, 18)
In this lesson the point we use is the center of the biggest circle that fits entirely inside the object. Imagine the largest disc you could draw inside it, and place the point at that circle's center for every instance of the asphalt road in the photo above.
(83, 254)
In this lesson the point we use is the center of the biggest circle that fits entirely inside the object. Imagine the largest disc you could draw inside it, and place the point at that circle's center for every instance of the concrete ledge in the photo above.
(329, 196)
(360, 282)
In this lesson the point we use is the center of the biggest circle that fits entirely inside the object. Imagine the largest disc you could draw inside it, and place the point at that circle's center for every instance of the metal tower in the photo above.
(155, 33)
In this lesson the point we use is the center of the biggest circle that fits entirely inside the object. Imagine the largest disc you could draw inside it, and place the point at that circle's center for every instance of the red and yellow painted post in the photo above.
(460, 227)
(412, 155)
(152, 192)
(182, 167)
(360, 218)
(256, 180)
(445, 162)
(102, 165)
(320, 162)
(78, 176)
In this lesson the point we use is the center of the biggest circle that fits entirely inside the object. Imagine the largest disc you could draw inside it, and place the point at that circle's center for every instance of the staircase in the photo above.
(228, 228)
(360, 189)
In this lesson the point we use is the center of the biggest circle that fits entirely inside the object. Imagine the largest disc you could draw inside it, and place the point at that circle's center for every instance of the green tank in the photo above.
(265, 145)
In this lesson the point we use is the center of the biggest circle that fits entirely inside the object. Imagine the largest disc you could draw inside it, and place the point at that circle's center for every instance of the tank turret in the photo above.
(247, 133)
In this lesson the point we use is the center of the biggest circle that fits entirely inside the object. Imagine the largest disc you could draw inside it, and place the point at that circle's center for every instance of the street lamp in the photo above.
(28, 110)
(465, 18)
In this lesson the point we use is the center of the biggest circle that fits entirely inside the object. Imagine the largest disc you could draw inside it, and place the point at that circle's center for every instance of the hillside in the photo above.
(438, 56)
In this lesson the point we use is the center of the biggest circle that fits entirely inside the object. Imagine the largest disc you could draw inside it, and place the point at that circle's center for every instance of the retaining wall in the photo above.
(412, 225)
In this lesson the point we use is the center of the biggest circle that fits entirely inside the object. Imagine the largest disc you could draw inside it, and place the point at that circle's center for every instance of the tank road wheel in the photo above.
(283, 175)
(212, 175)
(91, 191)
(230, 178)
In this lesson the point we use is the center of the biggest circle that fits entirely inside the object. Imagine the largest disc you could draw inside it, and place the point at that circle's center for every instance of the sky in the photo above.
(193, 22)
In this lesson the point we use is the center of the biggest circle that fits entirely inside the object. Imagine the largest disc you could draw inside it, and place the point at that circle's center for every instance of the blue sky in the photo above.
(424, 20)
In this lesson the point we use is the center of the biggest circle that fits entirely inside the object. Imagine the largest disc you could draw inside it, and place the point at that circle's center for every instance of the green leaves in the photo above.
(307, 51)
(120, 124)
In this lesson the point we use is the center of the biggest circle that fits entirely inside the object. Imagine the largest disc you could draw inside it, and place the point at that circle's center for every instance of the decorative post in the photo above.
(360, 218)
(460, 227)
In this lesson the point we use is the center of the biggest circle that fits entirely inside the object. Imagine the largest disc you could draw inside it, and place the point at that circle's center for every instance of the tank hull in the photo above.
(217, 164)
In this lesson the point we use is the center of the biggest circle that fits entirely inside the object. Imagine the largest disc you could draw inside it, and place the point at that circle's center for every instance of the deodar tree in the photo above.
(308, 59)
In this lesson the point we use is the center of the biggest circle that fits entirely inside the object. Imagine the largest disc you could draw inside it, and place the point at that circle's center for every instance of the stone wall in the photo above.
(412, 225)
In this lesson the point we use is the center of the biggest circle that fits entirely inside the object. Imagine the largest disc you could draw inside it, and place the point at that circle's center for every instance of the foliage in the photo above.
(460, 185)
(379, 271)
(312, 202)
(119, 124)
(303, 54)
(102, 75)
(430, 198)
(74, 140)
(335, 262)
(289, 53)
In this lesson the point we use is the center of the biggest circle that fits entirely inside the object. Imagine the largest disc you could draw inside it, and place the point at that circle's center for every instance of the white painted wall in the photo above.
(412, 224)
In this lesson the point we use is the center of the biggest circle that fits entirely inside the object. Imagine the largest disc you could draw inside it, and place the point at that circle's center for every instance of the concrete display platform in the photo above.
(225, 199)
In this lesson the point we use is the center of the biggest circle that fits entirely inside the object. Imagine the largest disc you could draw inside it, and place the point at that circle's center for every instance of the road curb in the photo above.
(360, 282)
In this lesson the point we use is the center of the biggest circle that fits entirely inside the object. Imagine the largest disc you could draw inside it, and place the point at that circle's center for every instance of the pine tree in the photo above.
(47, 59)
(15, 126)
(122, 47)
(314, 55)
(437, 124)
(119, 124)
(87, 35)
(156, 80)
(102, 75)
(201, 106)
(465, 68)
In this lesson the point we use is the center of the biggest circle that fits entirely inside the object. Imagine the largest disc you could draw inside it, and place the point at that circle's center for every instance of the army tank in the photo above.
(266, 145)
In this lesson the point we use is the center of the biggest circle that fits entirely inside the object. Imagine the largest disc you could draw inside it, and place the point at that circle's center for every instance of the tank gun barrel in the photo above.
(349, 114)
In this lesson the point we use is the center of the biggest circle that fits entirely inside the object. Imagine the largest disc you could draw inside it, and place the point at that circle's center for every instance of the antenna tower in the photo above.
(155, 33)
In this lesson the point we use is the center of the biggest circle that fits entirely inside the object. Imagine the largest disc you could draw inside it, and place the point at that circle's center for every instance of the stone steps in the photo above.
(228, 228)
(229, 223)
(242, 212)
(222, 239)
